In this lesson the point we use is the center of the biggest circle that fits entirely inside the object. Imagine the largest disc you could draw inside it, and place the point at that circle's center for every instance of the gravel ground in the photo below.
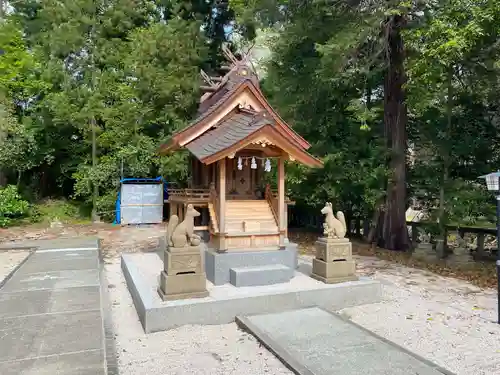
(445, 320)
(194, 350)
(448, 321)
(9, 260)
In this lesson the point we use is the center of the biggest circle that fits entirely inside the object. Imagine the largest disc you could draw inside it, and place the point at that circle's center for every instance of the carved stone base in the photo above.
(334, 272)
(332, 249)
(182, 262)
(191, 285)
(185, 249)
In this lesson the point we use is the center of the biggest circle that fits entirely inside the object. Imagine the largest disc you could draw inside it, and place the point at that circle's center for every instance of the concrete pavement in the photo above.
(51, 312)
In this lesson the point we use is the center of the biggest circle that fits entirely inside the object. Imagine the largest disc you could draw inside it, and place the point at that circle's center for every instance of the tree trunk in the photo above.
(392, 231)
(95, 194)
(3, 179)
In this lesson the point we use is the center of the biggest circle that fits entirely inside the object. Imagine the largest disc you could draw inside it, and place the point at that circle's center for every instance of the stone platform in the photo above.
(226, 301)
(313, 341)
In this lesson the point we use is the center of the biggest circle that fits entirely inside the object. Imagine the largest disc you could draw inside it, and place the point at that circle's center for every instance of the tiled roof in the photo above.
(227, 133)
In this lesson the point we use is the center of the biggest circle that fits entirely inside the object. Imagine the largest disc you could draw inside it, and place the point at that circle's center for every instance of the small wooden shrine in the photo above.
(233, 142)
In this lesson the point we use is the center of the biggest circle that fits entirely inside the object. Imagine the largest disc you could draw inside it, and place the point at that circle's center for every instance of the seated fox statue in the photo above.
(182, 234)
(334, 227)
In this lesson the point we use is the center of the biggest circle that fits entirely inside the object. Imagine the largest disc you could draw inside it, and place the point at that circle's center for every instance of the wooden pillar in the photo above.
(222, 205)
(205, 172)
(181, 211)
(281, 200)
(286, 222)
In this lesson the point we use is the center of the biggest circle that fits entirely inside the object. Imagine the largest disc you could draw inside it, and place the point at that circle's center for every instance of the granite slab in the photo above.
(313, 341)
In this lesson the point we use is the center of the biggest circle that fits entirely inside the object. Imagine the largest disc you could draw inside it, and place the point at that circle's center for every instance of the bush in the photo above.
(12, 206)
(57, 209)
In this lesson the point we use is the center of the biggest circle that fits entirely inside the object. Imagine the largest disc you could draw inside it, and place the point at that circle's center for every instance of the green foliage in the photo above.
(325, 76)
(18, 146)
(12, 206)
(58, 209)
(329, 107)
(129, 70)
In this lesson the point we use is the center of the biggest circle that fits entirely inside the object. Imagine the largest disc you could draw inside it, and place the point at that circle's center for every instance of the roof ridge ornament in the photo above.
(208, 80)
(229, 55)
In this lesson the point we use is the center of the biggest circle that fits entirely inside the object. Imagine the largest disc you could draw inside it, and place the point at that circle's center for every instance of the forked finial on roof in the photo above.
(229, 55)
(207, 78)
(241, 66)
(246, 55)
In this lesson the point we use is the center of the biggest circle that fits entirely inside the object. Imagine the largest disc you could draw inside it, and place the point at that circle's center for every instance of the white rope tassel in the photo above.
(267, 167)
(254, 164)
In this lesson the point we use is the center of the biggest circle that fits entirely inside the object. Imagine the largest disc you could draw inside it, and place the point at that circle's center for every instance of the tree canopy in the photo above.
(399, 98)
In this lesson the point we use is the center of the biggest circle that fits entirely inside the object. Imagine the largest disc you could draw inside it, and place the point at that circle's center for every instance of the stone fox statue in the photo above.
(334, 227)
(181, 235)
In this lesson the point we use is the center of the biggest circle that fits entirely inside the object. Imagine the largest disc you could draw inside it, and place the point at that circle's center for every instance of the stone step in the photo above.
(260, 275)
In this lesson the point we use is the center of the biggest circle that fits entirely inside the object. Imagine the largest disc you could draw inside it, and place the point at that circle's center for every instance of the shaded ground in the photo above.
(482, 274)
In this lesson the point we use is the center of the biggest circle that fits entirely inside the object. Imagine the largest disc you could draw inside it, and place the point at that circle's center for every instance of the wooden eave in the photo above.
(275, 135)
(258, 94)
(185, 136)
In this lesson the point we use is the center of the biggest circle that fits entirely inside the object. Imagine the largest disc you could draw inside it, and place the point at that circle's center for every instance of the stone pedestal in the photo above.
(461, 256)
(425, 251)
(183, 275)
(333, 262)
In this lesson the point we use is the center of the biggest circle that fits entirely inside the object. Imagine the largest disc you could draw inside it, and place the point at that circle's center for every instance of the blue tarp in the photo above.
(130, 180)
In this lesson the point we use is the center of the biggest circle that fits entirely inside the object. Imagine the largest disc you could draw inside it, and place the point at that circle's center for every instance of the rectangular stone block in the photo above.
(51, 280)
(218, 265)
(334, 272)
(34, 265)
(261, 275)
(185, 249)
(50, 334)
(182, 286)
(49, 301)
(182, 262)
(331, 249)
(313, 341)
(88, 362)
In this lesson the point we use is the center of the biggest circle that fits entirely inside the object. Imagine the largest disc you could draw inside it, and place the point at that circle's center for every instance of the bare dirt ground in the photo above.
(115, 238)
